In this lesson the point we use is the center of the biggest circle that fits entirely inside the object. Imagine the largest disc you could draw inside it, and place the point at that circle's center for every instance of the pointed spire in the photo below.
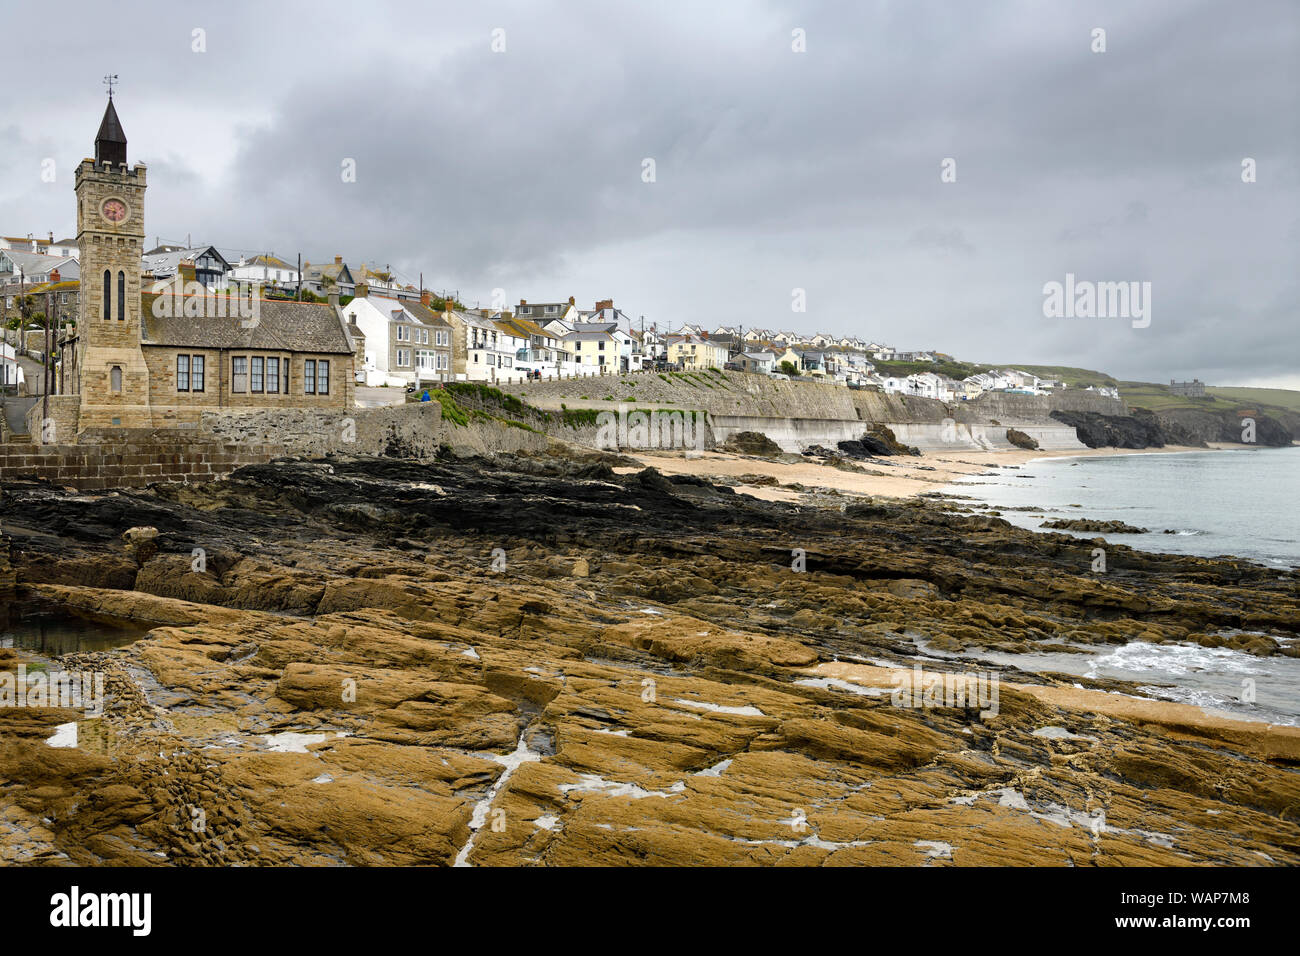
(110, 143)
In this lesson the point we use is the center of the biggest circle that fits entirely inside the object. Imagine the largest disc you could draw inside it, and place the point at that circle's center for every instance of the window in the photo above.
(424, 336)
(322, 377)
(403, 333)
(239, 373)
(121, 296)
(284, 367)
(258, 362)
(601, 345)
(309, 377)
(182, 373)
(272, 375)
(577, 346)
(525, 310)
(552, 309)
(403, 358)
(196, 373)
(442, 360)
(108, 294)
(442, 337)
(115, 378)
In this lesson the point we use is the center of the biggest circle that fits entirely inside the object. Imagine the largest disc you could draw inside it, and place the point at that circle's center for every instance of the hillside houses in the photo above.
(697, 352)
(406, 343)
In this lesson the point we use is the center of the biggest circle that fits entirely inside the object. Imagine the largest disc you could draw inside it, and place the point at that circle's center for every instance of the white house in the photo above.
(764, 363)
(264, 270)
(11, 372)
(405, 342)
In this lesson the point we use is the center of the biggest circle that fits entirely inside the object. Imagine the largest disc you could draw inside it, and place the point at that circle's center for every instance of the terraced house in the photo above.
(405, 342)
(145, 360)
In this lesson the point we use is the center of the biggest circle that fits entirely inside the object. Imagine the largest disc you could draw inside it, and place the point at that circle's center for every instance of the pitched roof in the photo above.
(420, 313)
(33, 262)
(110, 141)
(283, 325)
(167, 263)
(274, 261)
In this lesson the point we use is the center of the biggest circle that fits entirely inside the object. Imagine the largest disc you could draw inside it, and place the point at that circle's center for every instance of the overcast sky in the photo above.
(774, 170)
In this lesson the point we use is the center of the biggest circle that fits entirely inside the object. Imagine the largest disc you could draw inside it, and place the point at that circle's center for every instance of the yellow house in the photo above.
(696, 352)
(788, 355)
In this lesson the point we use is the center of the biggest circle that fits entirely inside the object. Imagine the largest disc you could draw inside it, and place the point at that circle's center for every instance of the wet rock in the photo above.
(333, 691)
(1085, 524)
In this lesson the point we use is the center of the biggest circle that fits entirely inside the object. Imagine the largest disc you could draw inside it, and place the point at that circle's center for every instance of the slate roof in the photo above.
(422, 314)
(283, 326)
(166, 263)
(33, 263)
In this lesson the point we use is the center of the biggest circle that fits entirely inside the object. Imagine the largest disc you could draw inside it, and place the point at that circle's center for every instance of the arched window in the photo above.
(121, 296)
(108, 295)
(115, 378)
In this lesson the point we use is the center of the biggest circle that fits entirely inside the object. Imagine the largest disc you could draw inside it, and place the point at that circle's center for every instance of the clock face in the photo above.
(114, 210)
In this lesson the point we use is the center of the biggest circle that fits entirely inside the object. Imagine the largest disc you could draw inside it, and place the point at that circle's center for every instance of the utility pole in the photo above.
(299, 296)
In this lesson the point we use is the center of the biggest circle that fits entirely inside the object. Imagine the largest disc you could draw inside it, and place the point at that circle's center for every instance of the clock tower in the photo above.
(113, 377)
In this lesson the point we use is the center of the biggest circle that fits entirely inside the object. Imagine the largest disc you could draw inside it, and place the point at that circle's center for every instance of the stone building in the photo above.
(140, 359)
(1193, 389)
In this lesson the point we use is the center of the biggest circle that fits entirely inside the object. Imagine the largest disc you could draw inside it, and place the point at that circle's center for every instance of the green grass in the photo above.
(1073, 377)
(957, 370)
(451, 411)
(487, 394)
(1280, 397)
(1158, 398)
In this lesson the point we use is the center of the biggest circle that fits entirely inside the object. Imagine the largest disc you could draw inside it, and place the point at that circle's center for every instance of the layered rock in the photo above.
(535, 661)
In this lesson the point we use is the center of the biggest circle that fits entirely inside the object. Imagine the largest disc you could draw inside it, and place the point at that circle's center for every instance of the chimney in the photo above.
(185, 269)
(523, 301)
(51, 238)
(362, 290)
(572, 301)
(334, 296)
(605, 304)
(424, 297)
(54, 277)
(338, 260)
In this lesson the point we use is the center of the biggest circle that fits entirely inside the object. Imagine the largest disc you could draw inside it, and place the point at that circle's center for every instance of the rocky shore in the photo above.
(537, 660)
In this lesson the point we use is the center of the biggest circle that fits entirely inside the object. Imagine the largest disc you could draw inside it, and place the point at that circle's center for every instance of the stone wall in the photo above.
(751, 395)
(126, 458)
(412, 430)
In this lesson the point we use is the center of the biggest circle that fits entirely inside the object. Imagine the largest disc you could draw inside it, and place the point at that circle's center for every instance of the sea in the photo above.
(1243, 503)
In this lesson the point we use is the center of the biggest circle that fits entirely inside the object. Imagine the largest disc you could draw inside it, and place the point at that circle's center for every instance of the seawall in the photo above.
(797, 414)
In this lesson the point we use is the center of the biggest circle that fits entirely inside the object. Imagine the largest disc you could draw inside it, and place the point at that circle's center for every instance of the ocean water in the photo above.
(1244, 503)
(1220, 680)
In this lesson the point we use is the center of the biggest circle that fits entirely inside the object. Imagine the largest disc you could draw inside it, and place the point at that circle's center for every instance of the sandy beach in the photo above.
(898, 477)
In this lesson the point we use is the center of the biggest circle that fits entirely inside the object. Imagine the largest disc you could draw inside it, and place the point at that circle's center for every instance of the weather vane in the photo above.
(109, 80)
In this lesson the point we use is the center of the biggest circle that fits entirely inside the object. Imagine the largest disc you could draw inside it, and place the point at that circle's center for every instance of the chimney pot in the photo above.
(338, 260)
